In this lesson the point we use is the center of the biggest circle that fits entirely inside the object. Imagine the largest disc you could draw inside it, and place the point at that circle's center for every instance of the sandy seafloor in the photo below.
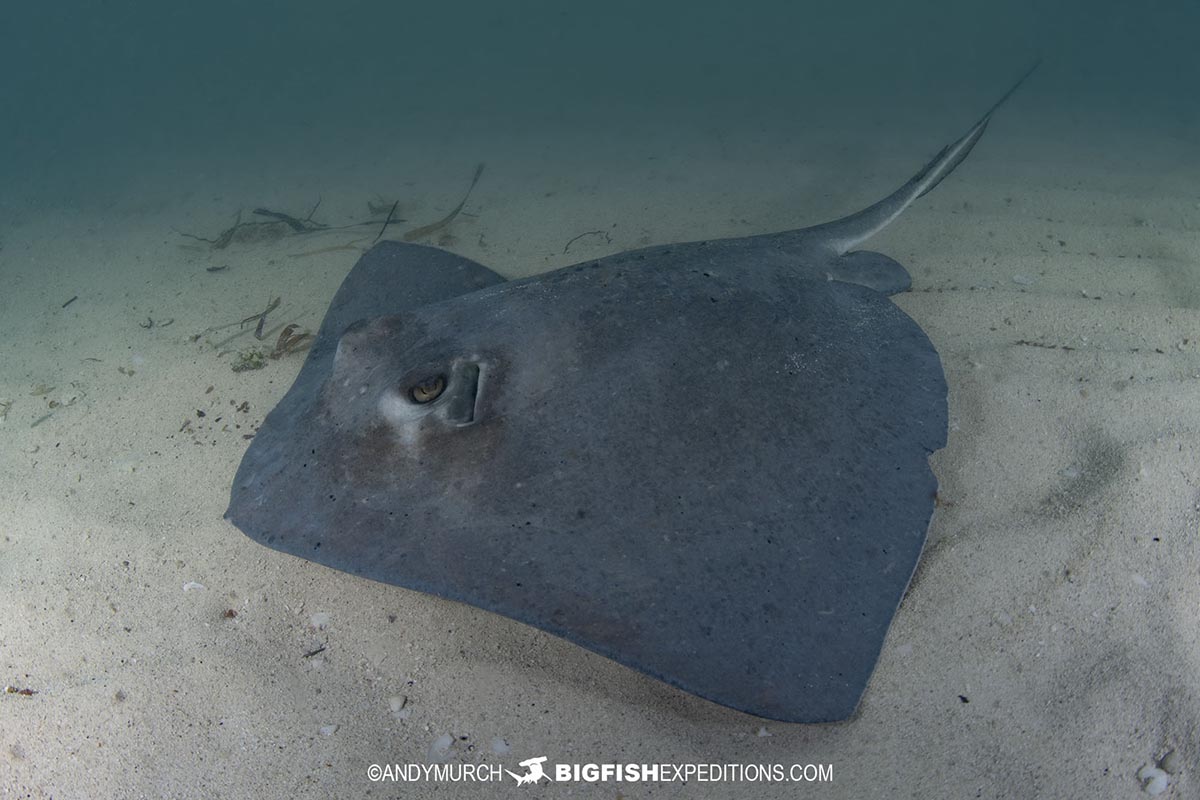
(1049, 645)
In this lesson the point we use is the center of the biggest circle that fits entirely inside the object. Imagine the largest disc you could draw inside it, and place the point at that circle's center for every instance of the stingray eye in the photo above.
(428, 390)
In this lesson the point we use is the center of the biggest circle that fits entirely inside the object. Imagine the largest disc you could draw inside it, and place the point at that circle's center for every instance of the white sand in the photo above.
(1049, 645)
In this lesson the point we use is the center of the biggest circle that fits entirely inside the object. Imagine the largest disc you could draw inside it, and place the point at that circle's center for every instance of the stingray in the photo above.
(707, 461)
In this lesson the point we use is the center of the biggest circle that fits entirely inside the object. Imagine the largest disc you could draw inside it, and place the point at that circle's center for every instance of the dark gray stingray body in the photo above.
(707, 461)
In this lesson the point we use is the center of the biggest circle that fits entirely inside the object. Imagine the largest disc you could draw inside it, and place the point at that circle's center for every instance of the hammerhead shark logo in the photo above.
(535, 772)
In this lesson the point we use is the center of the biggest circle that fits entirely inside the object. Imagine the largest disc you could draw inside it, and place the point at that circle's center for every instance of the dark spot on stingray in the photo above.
(756, 507)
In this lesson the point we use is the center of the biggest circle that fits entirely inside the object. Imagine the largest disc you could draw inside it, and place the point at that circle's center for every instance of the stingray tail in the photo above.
(842, 235)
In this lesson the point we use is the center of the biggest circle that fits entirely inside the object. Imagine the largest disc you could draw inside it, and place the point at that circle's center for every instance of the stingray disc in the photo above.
(716, 477)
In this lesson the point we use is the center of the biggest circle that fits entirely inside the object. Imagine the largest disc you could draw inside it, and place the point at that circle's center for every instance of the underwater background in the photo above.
(101, 96)
(1049, 644)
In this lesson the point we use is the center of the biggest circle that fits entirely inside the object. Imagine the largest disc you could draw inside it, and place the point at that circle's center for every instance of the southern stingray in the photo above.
(707, 461)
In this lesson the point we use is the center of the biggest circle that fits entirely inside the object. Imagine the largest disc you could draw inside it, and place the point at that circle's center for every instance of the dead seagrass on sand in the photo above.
(707, 461)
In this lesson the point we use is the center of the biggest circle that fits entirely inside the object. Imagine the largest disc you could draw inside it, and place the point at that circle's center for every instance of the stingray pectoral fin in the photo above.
(875, 270)
(841, 235)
